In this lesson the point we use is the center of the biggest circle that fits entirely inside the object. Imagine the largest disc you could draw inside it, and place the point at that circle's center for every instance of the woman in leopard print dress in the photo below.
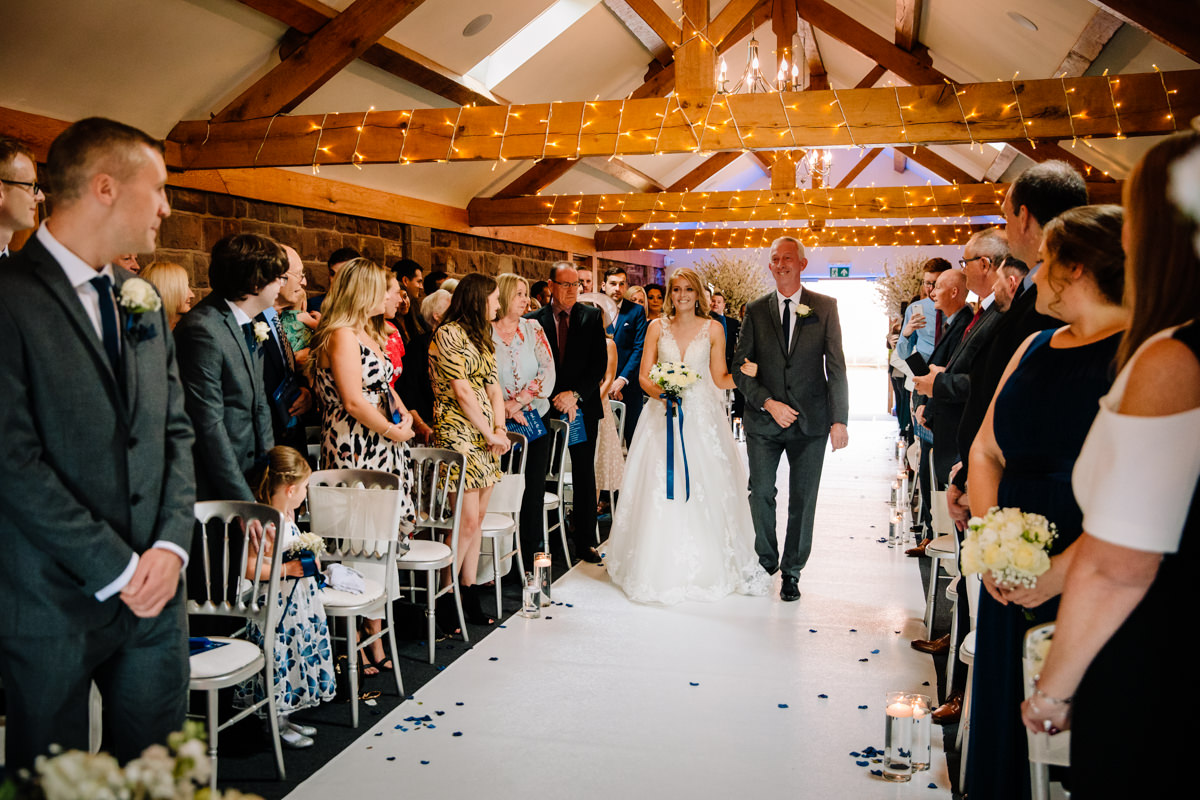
(364, 424)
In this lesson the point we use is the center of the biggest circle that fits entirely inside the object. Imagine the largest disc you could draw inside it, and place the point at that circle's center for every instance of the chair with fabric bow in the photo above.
(503, 515)
(438, 504)
(223, 543)
(357, 512)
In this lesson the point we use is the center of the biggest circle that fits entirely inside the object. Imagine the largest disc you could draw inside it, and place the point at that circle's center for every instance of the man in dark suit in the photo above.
(283, 379)
(717, 308)
(798, 401)
(96, 486)
(19, 190)
(948, 387)
(629, 335)
(576, 334)
(220, 361)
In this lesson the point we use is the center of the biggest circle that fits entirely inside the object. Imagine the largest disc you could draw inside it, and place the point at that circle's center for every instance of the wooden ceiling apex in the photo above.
(831, 236)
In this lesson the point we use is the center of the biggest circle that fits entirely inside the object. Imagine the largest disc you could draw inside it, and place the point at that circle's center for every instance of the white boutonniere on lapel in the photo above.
(138, 297)
(261, 331)
(803, 311)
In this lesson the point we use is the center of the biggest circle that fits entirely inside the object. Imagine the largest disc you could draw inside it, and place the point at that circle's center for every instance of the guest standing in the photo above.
(655, 295)
(1022, 458)
(174, 288)
(469, 410)
(283, 376)
(414, 385)
(1130, 588)
(525, 367)
(628, 331)
(363, 423)
(96, 483)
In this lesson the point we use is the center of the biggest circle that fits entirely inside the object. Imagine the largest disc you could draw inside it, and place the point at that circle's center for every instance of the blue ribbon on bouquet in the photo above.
(673, 404)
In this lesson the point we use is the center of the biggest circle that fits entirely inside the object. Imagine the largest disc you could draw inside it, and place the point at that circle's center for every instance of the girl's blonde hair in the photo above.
(359, 286)
(172, 283)
(285, 467)
(692, 278)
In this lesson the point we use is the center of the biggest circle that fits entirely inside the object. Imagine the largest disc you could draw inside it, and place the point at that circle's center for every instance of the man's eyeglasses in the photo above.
(568, 284)
(929, 284)
(33, 187)
(962, 262)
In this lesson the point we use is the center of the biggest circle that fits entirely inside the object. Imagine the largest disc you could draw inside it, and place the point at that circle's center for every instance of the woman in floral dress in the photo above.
(469, 410)
(364, 424)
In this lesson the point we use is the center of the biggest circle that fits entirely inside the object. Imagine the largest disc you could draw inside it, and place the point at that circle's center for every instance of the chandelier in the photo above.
(817, 162)
(752, 80)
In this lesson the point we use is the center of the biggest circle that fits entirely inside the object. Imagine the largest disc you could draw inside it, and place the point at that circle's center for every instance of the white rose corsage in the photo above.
(139, 297)
(803, 311)
(261, 331)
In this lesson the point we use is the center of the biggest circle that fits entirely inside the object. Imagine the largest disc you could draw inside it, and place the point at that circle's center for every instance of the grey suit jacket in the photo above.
(224, 394)
(96, 466)
(808, 373)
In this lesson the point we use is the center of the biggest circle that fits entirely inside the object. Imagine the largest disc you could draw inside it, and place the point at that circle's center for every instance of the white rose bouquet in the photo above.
(673, 377)
(1010, 544)
(308, 542)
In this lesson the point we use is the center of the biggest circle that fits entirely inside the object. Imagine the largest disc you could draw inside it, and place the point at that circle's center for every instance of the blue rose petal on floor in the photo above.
(924, 683)
(440, 713)
(503, 626)
(493, 658)
(864, 659)
(693, 683)
(441, 667)
(783, 705)
(875, 652)
(570, 605)
(457, 733)
(862, 763)
(854, 630)
(459, 704)
(391, 758)
(424, 762)
(812, 630)
(855, 755)
(823, 696)
(878, 772)
(862, 706)
(933, 786)
(549, 617)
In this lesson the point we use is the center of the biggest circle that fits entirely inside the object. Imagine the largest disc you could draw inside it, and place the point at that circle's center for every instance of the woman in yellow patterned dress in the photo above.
(469, 410)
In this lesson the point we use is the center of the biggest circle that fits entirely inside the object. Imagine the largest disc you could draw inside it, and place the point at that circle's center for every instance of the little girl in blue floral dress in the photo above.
(304, 673)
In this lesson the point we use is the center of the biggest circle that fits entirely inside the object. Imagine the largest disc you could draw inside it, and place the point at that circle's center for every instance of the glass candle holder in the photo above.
(541, 572)
(922, 730)
(897, 740)
(531, 598)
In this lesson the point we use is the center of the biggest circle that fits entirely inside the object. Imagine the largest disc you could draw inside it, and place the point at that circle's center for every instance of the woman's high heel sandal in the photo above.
(472, 610)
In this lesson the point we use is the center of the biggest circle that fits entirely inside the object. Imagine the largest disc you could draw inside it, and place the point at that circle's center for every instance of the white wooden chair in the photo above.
(438, 502)
(357, 512)
(1044, 750)
(503, 518)
(222, 543)
(555, 500)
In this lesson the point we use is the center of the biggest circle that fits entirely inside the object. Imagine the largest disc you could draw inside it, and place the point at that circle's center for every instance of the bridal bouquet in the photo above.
(1010, 544)
(673, 377)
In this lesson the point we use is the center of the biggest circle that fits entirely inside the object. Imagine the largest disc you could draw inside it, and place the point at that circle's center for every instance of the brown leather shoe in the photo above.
(949, 712)
(932, 646)
(918, 551)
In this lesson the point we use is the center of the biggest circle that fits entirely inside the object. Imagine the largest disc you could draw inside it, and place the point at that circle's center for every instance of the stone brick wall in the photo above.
(200, 219)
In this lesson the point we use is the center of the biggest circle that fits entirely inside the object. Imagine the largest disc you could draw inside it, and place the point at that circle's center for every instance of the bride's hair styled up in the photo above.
(692, 278)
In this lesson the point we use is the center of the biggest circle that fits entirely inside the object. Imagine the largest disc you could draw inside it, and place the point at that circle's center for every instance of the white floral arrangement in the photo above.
(1010, 544)
(308, 542)
(175, 772)
(740, 278)
(262, 331)
(803, 311)
(139, 297)
(673, 377)
(1184, 189)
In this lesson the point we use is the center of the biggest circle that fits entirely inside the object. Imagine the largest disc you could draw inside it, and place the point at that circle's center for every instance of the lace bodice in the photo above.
(697, 355)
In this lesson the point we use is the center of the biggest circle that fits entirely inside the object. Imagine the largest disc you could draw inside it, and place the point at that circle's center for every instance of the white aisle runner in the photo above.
(747, 697)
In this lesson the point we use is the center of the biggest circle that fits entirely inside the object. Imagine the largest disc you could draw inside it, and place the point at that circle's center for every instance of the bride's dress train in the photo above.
(666, 551)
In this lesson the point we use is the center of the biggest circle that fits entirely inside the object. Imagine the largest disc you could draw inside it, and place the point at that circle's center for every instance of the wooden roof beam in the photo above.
(830, 236)
(1172, 22)
(338, 43)
(1096, 34)
(908, 23)
(538, 177)
(305, 17)
(652, 15)
(736, 122)
(871, 202)
(857, 169)
(640, 30)
(937, 165)
(626, 173)
(817, 77)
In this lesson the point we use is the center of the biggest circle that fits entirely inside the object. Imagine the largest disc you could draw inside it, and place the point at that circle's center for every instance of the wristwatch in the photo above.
(578, 396)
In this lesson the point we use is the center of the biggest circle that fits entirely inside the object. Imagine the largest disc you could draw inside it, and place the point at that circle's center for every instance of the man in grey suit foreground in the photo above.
(798, 400)
(96, 485)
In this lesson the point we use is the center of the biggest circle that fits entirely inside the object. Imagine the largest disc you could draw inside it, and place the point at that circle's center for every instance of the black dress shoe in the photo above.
(591, 555)
(791, 588)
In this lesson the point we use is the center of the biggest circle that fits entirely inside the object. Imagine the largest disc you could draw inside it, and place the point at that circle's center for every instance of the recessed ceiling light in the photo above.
(482, 21)
(1022, 20)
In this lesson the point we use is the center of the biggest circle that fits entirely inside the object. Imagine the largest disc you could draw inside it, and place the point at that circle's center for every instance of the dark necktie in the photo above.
(289, 357)
(939, 327)
(564, 319)
(787, 323)
(108, 321)
(248, 330)
(974, 319)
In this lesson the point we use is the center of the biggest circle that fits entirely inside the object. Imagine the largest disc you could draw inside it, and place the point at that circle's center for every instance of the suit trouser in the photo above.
(806, 455)
(634, 400)
(139, 665)
(583, 488)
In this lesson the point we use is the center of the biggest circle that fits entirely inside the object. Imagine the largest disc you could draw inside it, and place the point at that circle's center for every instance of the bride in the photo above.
(689, 548)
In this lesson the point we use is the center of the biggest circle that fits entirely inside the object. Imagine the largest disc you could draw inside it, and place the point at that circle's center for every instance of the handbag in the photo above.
(533, 428)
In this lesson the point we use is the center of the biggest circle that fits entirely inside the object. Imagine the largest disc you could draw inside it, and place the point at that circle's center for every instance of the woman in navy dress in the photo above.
(1022, 458)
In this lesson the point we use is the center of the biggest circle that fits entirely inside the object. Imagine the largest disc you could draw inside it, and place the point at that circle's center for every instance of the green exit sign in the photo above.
(839, 270)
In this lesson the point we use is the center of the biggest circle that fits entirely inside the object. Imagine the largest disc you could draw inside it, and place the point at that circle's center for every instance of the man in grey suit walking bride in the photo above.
(797, 401)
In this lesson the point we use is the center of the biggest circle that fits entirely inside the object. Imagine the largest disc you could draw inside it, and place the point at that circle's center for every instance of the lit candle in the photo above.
(899, 709)
(724, 69)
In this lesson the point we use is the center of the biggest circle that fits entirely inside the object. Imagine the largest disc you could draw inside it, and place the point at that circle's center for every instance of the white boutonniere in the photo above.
(139, 297)
(261, 331)
(803, 311)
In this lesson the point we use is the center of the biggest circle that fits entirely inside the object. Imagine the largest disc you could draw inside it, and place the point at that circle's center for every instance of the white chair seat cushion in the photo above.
(334, 599)
(551, 500)
(967, 651)
(234, 656)
(496, 524)
(424, 552)
(941, 547)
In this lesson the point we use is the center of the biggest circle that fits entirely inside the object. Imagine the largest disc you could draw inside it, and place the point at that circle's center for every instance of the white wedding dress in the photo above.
(702, 548)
